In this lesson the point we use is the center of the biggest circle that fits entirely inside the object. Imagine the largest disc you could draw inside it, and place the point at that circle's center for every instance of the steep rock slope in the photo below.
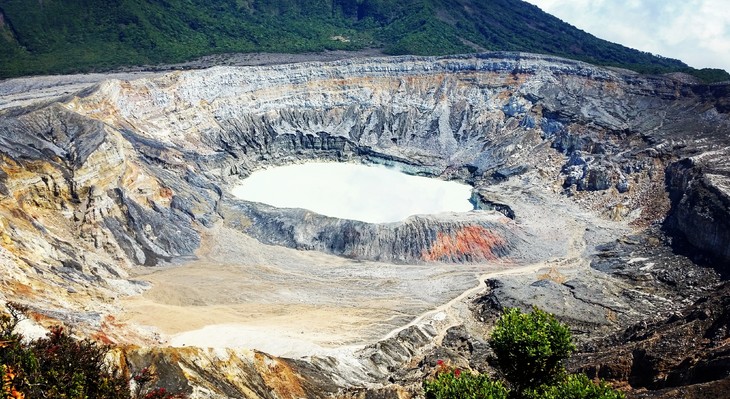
(699, 189)
(685, 355)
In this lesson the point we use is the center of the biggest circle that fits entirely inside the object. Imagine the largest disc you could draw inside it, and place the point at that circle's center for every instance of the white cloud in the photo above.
(694, 31)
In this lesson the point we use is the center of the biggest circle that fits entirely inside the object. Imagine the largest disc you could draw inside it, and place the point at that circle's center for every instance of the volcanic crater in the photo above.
(601, 196)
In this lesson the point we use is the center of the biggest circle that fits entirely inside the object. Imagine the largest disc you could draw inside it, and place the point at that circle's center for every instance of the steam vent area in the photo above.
(330, 228)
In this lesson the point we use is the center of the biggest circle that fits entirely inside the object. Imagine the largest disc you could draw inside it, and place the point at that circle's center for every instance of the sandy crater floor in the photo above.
(241, 293)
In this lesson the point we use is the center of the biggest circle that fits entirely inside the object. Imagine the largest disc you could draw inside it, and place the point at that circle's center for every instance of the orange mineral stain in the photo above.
(473, 242)
(279, 377)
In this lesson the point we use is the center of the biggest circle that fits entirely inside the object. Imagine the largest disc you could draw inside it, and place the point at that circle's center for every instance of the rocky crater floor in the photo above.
(601, 196)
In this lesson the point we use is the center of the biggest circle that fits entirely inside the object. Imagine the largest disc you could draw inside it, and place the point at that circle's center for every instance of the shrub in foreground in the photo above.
(575, 386)
(456, 384)
(59, 366)
(530, 347)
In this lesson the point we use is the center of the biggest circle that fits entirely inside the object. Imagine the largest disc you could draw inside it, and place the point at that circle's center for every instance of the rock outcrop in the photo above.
(469, 237)
(700, 191)
(684, 355)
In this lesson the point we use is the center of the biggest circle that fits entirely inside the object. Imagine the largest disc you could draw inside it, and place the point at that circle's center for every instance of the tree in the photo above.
(530, 347)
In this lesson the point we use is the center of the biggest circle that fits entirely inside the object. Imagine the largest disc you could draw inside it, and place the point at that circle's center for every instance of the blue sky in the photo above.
(694, 31)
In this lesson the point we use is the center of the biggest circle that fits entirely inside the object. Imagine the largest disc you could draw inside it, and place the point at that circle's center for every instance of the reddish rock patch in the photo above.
(469, 243)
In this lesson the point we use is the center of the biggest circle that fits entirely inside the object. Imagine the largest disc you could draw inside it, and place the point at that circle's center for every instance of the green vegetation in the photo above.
(574, 386)
(62, 367)
(55, 36)
(457, 384)
(708, 75)
(530, 349)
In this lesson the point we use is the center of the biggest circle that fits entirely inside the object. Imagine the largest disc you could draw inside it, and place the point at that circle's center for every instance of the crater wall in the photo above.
(136, 172)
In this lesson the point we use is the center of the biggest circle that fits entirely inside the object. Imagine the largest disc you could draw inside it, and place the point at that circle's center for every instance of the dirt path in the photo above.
(564, 236)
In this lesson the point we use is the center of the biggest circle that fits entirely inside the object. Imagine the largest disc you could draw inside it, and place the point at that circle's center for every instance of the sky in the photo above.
(694, 31)
(349, 191)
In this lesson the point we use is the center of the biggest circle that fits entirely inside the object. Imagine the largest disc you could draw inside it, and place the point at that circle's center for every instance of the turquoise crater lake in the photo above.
(373, 194)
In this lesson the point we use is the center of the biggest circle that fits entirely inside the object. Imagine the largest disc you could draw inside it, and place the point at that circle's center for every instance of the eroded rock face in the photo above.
(688, 349)
(135, 173)
(199, 372)
(469, 237)
(699, 188)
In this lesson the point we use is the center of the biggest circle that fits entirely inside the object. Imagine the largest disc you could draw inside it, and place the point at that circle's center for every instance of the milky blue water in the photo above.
(373, 194)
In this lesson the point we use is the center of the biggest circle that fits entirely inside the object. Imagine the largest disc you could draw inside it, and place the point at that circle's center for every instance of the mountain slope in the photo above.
(59, 36)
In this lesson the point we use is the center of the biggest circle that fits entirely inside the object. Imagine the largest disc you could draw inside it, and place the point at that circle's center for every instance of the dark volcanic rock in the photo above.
(700, 192)
(585, 304)
(691, 347)
(648, 262)
(471, 237)
(153, 234)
